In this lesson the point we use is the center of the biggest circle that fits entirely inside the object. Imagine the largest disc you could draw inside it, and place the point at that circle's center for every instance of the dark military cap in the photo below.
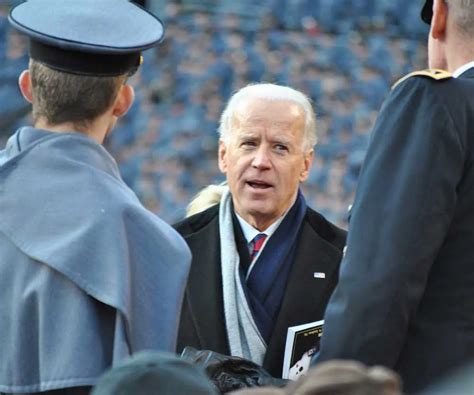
(427, 12)
(88, 37)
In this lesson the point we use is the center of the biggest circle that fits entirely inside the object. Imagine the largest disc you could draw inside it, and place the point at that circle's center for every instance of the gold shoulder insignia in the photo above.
(436, 74)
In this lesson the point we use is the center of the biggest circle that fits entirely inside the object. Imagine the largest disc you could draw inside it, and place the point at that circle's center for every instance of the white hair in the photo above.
(270, 92)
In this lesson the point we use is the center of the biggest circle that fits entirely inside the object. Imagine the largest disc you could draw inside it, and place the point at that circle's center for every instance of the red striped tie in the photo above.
(256, 245)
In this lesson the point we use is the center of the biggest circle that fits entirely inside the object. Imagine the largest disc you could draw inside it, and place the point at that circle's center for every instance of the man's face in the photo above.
(264, 159)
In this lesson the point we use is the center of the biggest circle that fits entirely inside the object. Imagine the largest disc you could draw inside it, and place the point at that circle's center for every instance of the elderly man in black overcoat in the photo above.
(262, 259)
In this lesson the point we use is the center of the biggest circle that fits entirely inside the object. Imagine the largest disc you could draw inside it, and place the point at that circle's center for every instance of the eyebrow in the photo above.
(247, 135)
(283, 140)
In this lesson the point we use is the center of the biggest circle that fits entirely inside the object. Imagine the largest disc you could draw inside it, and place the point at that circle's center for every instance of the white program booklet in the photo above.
(302, 342)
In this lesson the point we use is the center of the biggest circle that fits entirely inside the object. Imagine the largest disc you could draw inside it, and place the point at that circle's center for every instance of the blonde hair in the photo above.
(205, 198)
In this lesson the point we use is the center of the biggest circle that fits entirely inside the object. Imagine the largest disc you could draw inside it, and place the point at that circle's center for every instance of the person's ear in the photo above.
(124, 100)
(439, 20)
(222, 157)
(308, 162)
(24, 82)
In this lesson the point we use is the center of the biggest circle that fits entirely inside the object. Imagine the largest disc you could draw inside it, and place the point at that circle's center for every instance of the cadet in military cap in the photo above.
(88, 276)
(405, 297)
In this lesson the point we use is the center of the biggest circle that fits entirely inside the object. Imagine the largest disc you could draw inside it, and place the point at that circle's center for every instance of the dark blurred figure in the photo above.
(405, 297)
(150, 373)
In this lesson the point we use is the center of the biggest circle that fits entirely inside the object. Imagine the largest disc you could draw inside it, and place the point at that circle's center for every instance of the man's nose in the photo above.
(262, 158)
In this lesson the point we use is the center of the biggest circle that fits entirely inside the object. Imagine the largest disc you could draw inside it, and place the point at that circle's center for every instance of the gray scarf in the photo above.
(242, 332)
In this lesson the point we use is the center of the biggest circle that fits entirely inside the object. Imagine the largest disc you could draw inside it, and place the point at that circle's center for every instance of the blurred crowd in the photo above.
(344, 55)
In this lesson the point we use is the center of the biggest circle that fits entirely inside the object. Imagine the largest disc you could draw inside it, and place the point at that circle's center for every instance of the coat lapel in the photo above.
(204, 291)
(306, 296)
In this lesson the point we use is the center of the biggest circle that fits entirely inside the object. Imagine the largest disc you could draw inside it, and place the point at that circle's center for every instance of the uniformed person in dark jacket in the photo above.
(405, 297)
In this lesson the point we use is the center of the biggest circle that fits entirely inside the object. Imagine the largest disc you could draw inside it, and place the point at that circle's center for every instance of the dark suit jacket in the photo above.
(405, 297)
(202, 323)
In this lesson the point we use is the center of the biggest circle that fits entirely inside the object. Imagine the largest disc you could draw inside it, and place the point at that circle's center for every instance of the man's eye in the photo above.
(248, 144)
(281, 147)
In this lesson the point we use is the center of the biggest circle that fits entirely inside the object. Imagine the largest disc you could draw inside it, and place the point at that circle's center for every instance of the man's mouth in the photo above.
(258, 184)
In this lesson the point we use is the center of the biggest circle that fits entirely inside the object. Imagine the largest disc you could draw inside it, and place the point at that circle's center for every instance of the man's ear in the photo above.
(308, 162)
(124, 100)
(439, 20)
(222, 157)
(24, 82)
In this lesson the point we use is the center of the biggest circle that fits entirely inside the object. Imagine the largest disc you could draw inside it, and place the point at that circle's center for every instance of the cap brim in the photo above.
(84, 63)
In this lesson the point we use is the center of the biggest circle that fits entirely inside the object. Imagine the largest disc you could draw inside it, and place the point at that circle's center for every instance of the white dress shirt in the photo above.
(250, 232)
(462, 69)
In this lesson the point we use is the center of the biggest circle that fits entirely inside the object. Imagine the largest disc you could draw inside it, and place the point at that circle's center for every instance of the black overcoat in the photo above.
(405, 297)
(202, 325)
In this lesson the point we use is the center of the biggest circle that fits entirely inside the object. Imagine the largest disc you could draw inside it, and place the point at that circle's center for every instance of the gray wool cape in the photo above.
(88, 276)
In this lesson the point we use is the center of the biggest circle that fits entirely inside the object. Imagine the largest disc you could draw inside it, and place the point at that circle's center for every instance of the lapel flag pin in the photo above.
(319, 275)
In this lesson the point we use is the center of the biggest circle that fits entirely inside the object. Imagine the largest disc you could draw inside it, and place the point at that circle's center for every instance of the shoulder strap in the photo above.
(436, 74)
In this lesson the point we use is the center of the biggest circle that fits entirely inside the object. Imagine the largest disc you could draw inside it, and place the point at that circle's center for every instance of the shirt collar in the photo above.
(462, 69)
(250, 232)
